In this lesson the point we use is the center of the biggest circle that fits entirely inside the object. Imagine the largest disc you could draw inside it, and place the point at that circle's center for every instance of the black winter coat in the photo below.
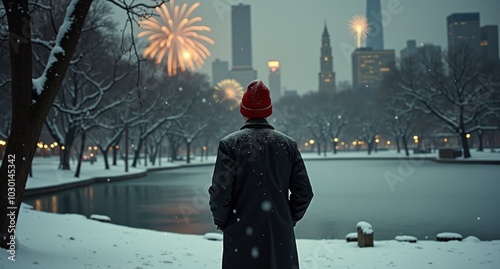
(260, 189)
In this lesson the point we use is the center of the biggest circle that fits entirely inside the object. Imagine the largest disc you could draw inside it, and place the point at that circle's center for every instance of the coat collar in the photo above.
(257, 123)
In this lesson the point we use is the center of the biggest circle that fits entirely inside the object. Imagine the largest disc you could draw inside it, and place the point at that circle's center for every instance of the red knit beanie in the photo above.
(256, 102)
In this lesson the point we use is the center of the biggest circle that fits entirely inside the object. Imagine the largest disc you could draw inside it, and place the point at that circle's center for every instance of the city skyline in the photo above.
(294, 37)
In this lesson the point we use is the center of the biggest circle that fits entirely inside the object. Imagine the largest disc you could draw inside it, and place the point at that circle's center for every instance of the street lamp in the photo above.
(335, 147)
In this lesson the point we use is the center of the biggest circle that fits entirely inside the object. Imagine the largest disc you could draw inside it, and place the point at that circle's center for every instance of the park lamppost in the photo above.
(377, 140)
(2, 144)
(468, 136)
(335, 143)
(311, 142)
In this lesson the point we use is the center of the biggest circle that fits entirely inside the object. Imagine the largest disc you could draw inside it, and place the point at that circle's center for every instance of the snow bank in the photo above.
(101, 218)
(406, 238)
(72, 241)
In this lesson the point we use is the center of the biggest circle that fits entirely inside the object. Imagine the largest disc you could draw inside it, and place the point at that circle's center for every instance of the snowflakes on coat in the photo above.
(228, 91)
(176, 37)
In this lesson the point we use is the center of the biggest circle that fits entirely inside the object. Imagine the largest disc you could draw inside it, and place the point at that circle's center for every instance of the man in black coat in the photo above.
(260, 189)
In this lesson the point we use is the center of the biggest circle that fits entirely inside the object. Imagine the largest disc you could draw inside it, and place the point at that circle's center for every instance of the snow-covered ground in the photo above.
(46, 240)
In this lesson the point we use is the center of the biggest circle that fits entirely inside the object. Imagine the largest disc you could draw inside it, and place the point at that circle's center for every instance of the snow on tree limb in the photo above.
(59, 58)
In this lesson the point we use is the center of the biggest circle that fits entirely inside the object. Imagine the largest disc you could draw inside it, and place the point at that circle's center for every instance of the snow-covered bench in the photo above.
(445, 237)
(101, 218)
(351, 237)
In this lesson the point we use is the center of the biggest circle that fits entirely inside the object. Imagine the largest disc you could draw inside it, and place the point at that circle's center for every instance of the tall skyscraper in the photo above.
(489, 44)
(241, 37)
(274, 79)
(370, 66)
(411, 49)
(463, 28)
(220, 71)
(326, 74)
(375, 38)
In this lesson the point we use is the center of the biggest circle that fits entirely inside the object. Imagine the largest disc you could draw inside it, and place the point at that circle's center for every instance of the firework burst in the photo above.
(177, 37)
(228, 91)
(359, 28)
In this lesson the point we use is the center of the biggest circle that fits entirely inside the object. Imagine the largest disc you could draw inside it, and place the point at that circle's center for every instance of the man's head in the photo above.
(256, 102)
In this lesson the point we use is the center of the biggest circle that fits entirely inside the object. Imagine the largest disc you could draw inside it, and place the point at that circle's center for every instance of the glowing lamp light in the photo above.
(89, 148)
(467, 135)
(63, 147)
(335, 140)
(445, 140)
(415, 137)
(377, 140)
(388, 142)
(311, 141)
(273, 65)
(95, 147)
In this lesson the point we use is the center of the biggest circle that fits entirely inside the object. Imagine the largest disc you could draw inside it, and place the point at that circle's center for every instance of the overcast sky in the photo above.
(290, 31)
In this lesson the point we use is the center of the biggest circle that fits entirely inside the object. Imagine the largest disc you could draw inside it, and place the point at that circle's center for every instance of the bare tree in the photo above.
(33, 97)
(451, 89)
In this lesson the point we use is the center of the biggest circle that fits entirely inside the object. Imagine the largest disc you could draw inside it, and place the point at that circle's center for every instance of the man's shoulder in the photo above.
(284, 136)
(235, 136)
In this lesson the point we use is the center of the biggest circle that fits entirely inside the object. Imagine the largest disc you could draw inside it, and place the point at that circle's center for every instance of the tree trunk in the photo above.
(69, 139)
(398, 145)
(115, 154)
(29, 107)
(146, 146)
(137, 153)
(480, 138)
(126, 148)
(405, 145)
(465, 144)
(492, 143)
(80, 155)
(105, 157)
(188, 148)
(325, 148)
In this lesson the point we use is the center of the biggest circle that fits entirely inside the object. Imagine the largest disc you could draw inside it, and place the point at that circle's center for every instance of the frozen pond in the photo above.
(419, 198)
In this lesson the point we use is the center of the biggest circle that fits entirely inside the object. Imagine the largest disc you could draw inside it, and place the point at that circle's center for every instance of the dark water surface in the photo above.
(419, 198)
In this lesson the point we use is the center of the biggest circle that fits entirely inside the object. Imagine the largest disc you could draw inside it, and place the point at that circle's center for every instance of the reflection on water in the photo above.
(166, 201)
(434, 198)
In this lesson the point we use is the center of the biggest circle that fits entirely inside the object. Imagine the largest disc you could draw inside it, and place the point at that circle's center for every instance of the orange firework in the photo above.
(359, 28)
(230, 91)
(176, 36)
